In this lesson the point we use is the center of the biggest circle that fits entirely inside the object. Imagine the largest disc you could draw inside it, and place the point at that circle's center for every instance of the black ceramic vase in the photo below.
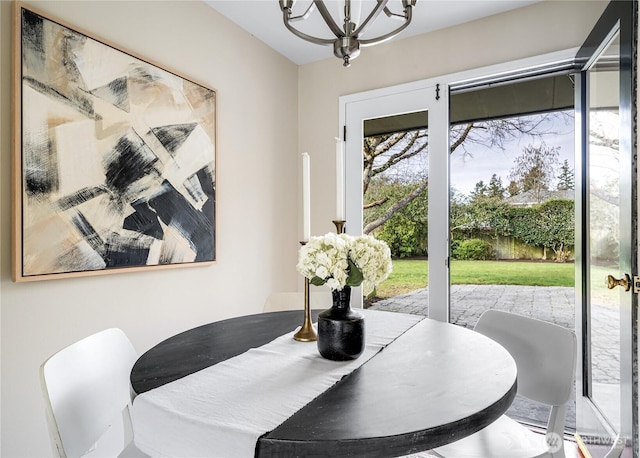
(340, 329)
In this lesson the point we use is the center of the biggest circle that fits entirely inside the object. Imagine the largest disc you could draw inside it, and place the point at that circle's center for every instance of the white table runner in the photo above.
(221, 411)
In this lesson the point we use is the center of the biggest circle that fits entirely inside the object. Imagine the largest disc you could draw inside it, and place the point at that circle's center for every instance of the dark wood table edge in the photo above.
(202, 349)
(395, 445)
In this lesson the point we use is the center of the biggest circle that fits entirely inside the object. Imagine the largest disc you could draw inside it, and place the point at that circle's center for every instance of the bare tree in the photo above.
(403, 156)
(384, 152)
(534, 169)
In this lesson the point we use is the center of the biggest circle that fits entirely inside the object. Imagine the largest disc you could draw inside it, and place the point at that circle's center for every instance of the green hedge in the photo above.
(473, 250)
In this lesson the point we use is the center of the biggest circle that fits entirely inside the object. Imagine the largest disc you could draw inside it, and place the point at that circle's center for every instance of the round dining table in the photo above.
(429, 387)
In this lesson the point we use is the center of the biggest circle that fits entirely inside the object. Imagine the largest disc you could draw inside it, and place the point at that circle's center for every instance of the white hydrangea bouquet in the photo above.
(340, 260)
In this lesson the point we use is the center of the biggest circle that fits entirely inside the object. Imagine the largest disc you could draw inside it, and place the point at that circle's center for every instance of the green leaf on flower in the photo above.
(355, 277)
(317, 281)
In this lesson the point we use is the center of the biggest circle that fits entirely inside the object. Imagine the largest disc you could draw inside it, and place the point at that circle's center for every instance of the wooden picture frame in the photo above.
(114, 157)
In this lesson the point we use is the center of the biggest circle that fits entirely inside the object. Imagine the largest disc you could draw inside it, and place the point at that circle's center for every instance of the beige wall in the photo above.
(530, 31)
(256, 204)
(263, 126)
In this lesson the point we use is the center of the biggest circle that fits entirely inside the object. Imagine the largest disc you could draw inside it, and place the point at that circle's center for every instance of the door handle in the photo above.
(625, 282)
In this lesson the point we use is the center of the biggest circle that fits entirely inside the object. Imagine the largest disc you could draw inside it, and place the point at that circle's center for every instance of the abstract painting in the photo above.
(114, 167)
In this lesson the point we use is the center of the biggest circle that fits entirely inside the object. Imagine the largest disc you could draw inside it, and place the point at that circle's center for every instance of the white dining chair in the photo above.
(87, 396)
(545, 356)
(295, 301)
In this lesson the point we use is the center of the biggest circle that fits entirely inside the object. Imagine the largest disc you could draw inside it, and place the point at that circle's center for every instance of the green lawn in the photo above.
(410, 274)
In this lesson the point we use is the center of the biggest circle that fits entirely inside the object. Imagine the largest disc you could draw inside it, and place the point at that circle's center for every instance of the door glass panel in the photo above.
(512, 225)
(604, 223)
(395, 206)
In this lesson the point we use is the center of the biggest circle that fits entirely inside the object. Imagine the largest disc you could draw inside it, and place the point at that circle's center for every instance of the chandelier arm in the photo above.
(388, 36)
(309, 38)
(398, 17)
(374, 14)
(286, 17)
(406, 5)
(304, 15)
(324, 12)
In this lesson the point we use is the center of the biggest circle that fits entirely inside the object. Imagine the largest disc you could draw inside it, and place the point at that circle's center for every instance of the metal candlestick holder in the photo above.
(340, 225)
(306, 332)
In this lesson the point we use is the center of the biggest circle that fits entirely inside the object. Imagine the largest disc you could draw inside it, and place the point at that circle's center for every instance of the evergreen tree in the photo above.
(479, 191)
(566, 178)
(495, 187)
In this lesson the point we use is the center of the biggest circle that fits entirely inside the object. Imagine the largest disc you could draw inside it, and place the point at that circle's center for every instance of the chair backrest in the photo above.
(87, 389)
(295, 301)
(545, 354)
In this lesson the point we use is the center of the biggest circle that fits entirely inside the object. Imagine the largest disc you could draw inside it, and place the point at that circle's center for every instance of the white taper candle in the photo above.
(306, 198)
(339, 180)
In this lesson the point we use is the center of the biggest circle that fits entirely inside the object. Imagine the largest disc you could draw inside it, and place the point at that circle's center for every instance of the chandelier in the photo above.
(346, 44)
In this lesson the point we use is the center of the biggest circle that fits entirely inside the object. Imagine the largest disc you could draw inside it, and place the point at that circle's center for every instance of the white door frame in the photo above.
(363, 105)
(425, 95)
